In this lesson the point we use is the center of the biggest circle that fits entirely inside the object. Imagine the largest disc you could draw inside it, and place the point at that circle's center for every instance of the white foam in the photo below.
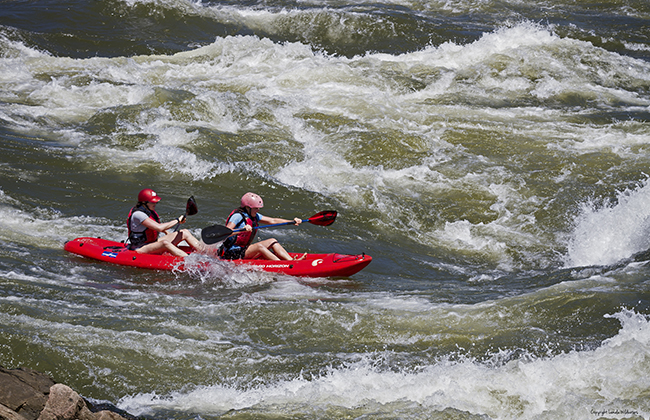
(571, 385)
(46, 227)
(607, 233)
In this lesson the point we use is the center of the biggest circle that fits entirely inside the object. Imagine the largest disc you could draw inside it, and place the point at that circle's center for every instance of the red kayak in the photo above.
(314, 265)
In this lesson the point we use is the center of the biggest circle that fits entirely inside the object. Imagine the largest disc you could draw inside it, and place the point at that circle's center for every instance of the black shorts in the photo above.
(133, 247)
(233, 253)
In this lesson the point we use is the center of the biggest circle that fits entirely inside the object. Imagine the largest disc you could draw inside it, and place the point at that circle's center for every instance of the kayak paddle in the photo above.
(216, 233)
(190, 210)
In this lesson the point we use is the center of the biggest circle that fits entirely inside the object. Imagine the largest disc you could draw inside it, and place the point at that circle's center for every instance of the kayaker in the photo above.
(145, 227)
(247, 216)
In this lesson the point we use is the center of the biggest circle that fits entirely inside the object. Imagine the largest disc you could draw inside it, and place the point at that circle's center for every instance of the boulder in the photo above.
(24, 391)
(29, 395)
(65, 404)
(7, 414)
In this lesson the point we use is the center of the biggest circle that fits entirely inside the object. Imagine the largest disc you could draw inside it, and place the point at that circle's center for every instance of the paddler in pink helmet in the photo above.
(241, 245)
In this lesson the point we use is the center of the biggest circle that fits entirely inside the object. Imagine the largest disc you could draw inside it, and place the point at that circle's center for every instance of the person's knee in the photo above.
(268, 243)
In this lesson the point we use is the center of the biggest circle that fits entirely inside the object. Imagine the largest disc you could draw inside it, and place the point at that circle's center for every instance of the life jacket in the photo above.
(243, 239)
(137, 239)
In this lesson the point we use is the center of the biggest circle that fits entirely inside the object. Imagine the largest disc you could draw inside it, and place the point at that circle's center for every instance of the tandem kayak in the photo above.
(313, 265)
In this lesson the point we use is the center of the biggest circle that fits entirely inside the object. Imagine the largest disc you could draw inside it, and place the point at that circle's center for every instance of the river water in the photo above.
(492, 157)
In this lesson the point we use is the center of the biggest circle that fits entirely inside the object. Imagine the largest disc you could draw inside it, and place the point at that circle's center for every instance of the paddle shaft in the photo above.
(216, 233)
(268, 226)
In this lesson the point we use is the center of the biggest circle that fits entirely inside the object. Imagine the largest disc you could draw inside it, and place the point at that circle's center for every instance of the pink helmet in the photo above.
(252, 200)
(148, 196)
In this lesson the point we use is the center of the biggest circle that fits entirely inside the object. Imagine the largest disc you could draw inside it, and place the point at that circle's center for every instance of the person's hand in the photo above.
(181, 219)
(297, 221)
(248, 228)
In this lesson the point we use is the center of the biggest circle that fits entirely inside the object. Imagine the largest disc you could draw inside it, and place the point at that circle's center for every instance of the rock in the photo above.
(24, 391)
(65, 404)
(108, 415)
(29, 395)
(103, 408)
(7, 414)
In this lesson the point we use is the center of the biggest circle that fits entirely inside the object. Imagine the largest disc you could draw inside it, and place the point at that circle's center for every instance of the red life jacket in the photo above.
(138, 239)
(243, 239)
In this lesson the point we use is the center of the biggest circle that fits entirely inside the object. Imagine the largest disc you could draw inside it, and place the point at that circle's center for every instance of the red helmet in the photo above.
(252, 200)
(148, 196)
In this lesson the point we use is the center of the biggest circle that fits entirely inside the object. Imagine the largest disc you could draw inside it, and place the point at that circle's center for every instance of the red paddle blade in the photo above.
(324, 218)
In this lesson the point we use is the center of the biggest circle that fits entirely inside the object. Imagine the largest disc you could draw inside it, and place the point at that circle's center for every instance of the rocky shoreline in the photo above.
(26, 394)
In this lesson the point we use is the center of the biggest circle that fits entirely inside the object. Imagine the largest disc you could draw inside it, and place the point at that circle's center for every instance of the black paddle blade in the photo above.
(191, 209)
(215, 233)
(324, 218)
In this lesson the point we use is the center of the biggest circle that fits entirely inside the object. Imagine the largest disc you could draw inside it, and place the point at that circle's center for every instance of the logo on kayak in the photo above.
(109, 254)
(316, 262)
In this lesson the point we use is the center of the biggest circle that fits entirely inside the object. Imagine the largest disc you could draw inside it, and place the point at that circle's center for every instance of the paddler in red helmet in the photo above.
(241, 245)
(145, 227)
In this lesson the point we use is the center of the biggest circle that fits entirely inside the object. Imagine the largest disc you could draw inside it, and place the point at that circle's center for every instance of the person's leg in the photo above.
(279, 250)
(269, 249)
(185, 235)
(260, 249)
(161, 245)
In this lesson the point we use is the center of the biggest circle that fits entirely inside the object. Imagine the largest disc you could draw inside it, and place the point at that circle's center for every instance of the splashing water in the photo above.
(607, 234)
